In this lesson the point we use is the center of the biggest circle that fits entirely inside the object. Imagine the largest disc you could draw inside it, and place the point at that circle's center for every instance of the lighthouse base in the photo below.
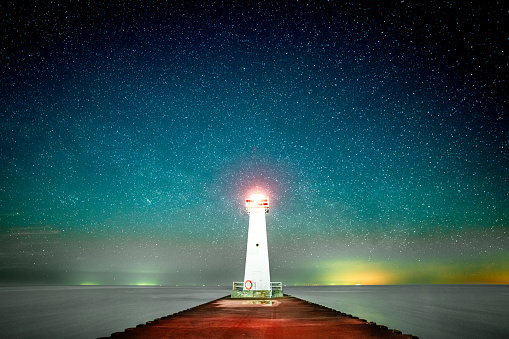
(259, 294)
(239, 291)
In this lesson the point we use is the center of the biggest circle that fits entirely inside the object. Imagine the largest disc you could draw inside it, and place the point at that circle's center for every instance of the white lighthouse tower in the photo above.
(257, 275)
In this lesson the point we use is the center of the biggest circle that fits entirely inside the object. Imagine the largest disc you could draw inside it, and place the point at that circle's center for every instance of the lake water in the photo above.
(91, 311)
(428, 311)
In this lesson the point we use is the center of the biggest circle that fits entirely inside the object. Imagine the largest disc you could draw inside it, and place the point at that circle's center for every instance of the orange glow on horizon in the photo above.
(363, 276)
(348, 271)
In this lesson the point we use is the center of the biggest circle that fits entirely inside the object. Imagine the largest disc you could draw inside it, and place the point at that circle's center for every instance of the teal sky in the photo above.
(130, 135)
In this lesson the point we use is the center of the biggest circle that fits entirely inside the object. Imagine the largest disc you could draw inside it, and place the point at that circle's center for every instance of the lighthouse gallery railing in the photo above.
(274, 286)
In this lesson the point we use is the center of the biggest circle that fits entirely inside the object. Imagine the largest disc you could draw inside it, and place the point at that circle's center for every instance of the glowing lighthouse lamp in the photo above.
(257, 282)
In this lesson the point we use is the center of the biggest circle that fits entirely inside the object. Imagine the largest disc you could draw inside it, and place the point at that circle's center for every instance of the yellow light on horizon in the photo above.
(145, 284)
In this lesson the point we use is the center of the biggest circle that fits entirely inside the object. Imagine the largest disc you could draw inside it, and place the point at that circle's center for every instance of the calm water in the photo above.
(428, 311)
(91, 311)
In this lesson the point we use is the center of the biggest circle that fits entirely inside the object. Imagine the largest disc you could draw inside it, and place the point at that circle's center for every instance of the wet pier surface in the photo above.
(286, 317)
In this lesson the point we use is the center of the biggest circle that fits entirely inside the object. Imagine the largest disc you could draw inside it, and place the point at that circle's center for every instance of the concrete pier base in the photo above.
(262, 294)
(280, 318)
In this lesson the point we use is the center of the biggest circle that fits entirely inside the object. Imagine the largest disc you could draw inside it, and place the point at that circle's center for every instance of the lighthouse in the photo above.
(257, 274)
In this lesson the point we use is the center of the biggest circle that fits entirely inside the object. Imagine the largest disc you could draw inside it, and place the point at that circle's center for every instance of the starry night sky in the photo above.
(132, 132)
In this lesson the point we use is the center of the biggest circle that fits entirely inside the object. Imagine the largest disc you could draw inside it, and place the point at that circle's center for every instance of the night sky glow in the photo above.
(132, 132)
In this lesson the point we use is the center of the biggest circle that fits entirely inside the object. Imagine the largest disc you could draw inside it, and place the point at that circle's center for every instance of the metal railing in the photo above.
(238, 285)
(274, 286)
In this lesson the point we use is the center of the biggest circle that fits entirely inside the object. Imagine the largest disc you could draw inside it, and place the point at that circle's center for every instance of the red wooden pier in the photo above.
(285, 317)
